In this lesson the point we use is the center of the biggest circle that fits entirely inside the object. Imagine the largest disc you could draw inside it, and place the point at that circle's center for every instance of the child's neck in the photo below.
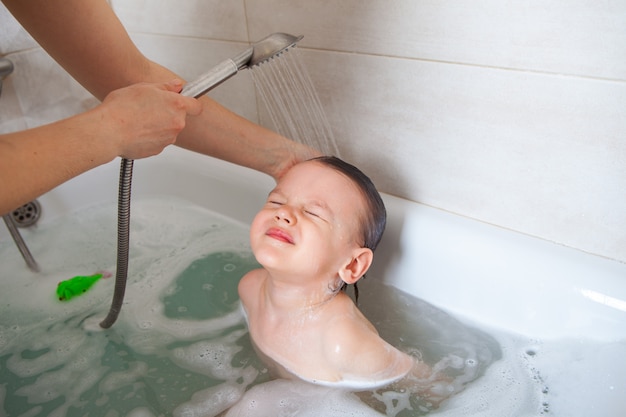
(292, 296)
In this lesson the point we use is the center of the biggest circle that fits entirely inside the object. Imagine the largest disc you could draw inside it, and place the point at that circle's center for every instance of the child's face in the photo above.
(310, 222)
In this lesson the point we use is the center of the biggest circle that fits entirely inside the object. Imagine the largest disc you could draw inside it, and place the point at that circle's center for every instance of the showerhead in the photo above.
(259, 52)
(271, 46)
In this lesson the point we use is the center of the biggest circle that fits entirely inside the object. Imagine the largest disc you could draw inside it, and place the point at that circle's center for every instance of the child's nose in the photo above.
(285, 214)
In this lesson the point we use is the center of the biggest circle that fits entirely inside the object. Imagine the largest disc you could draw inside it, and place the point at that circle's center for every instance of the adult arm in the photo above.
(89, 41)
(133, 122)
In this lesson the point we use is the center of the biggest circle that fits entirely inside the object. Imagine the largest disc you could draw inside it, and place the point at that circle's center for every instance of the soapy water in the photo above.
(180, 346)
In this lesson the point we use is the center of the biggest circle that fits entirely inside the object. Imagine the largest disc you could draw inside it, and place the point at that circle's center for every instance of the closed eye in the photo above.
(318, 214)
(275, 199)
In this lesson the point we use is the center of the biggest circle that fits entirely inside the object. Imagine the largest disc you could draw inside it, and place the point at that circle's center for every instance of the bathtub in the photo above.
(560, 313)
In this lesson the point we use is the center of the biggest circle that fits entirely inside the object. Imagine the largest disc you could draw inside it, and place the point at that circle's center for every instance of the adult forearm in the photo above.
(228, 136)
(35, 161)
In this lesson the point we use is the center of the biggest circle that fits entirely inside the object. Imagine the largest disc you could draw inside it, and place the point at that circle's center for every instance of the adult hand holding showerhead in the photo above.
(133, 122)
(145, 118)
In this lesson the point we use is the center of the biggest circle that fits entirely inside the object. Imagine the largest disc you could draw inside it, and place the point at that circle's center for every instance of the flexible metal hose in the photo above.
(123, 238)
(258, 53)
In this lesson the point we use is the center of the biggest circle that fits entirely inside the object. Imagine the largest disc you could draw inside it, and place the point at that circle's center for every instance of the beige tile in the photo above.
(45, 92)
(562, 36)
(536, 153)
(213, 19)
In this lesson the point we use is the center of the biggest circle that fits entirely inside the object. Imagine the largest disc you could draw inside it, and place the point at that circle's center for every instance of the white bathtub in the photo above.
(543, 294)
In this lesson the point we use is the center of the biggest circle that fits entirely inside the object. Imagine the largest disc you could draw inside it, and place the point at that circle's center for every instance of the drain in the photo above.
(27, 215)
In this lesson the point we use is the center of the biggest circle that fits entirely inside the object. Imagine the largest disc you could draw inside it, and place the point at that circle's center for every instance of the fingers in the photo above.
(192, 106)
(174, 85)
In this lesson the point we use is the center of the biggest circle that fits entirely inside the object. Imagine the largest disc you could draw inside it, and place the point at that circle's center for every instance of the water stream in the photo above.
(292, 102)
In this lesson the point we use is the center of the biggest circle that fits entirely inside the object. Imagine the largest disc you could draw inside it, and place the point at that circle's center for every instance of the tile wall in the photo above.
(507, 111)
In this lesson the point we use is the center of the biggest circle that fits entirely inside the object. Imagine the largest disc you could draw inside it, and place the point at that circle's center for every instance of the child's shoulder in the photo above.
(353, 345)
(347, 329)
(250, 285)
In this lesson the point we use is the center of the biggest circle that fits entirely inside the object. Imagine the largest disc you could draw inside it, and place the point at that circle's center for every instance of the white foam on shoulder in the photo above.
(288, 398)
(350, 384)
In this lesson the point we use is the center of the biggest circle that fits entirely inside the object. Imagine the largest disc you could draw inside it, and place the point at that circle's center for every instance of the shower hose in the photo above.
(200, 86)
(258, 53)
(123, 234)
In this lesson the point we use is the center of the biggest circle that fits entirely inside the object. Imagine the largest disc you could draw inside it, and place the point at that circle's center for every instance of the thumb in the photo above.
(175, 85)
(192, 106)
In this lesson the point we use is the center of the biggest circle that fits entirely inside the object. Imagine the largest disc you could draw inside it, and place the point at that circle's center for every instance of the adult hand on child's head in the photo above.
(296, 153)
(145, 118)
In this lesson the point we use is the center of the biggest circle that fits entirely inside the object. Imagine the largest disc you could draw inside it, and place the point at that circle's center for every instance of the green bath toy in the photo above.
(73, 287)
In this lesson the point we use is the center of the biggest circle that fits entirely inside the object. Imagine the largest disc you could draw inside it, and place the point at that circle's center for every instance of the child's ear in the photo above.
(357, 266)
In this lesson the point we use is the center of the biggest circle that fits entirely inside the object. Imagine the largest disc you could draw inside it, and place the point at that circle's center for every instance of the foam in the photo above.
(350, 385)
(115, 380)
(507, 388)
(593, 371)
(298, 398)
(214, 400)
(60, 343)
(211, 357)
(59, 351)
(140, 412)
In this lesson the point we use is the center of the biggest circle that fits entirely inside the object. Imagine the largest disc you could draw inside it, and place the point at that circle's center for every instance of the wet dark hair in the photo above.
(375, 216)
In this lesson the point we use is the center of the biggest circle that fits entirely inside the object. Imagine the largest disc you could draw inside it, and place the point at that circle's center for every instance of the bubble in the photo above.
(170, 291)
(145, 325)
(116, 380)
(229, 267)
(211, 401)
(212, 358)
(289, 398)
(140, 412)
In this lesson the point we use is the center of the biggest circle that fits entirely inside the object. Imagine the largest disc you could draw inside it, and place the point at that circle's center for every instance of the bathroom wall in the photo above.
(38, 91)
(509, 112)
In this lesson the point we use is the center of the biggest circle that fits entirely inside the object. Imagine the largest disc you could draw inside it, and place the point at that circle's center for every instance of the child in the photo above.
(316, 234)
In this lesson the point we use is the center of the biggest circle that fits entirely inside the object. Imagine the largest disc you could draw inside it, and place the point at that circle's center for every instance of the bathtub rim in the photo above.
(551, 292)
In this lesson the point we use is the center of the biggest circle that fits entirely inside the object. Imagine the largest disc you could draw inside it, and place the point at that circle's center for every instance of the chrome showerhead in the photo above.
(271, 46)
(259, 52)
